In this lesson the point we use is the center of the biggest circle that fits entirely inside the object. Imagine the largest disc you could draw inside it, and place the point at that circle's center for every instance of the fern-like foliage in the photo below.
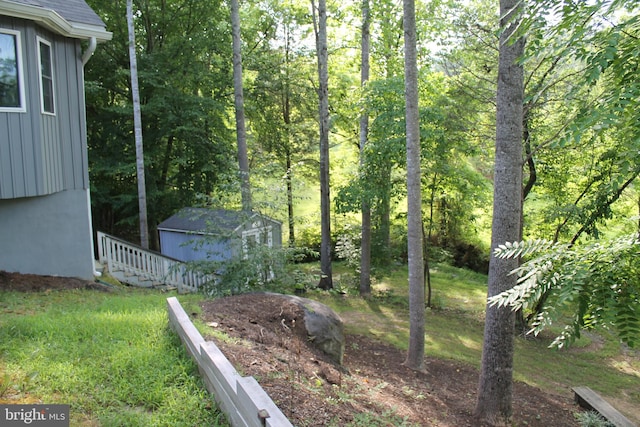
(598, 283)
(517, 249)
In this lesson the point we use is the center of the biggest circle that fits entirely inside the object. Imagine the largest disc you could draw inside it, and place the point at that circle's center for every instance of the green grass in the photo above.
(111, 356)
(454, 330)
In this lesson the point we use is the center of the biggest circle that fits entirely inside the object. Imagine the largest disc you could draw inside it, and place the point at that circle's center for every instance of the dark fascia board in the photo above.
(53, 21)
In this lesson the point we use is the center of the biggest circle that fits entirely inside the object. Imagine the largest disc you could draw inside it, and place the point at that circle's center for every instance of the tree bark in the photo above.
(289, 178)
(137, 125)
(286, 118)
(365, 236)
(493, 405)
(326, 279)
(415, 353)
(243, 158)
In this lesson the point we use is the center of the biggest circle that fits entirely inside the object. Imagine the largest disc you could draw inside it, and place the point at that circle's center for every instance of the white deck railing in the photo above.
(145, 265)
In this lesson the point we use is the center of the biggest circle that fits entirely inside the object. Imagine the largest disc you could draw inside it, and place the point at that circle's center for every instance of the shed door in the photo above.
(256, 236)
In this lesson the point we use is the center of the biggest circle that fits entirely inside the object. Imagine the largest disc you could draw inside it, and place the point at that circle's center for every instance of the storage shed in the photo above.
(195, 234)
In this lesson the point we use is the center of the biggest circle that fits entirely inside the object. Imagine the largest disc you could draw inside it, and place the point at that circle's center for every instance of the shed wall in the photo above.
(193, 247)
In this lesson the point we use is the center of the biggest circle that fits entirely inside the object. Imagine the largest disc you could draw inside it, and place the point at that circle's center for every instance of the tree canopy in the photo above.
(544, 144)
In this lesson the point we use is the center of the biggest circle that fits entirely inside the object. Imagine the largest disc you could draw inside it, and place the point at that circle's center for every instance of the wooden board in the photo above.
(589, 399)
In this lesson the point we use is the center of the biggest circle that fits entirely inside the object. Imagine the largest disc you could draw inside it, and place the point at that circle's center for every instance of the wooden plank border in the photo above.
(242, 399)
(589, 399)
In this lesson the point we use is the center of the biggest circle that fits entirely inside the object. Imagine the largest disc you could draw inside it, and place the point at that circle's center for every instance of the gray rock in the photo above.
(323, 325)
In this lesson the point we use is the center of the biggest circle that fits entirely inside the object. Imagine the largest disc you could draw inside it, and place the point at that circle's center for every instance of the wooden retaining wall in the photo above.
(242, 399)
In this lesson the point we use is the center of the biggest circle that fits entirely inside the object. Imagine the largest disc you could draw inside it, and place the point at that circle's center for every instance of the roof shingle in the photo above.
(77, 11)
(207, 221)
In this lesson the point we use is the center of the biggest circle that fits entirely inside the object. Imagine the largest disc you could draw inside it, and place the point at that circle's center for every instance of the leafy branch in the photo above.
(598, 285)
(518, 249)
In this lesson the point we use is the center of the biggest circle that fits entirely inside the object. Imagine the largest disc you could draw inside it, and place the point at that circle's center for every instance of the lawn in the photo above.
(110, 356)
(454, 330)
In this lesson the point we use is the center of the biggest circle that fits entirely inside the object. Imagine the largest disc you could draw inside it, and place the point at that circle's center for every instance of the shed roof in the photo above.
(210, 221)
(72, 18)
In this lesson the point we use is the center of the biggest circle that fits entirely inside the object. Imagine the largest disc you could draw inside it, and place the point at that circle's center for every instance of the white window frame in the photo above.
(20, 65)
(257, 233)
(40, 41)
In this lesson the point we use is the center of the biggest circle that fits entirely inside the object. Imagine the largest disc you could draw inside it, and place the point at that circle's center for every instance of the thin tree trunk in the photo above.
(599, 212)
(243, 158)
(365, 237)
(382, 219)
(289, 178)
(326, 279)
(426, 270)
(429, 234)
(286, 118)
(415, 353)
(521, 322)
(137, 125)
(495, 387)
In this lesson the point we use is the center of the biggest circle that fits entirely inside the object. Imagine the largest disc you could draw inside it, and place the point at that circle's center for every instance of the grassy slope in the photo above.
(455, 331)
(110, 356)
(114, 359)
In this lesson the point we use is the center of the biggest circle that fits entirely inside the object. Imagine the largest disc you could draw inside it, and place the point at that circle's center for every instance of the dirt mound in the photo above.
(271, 344)
(35, 283)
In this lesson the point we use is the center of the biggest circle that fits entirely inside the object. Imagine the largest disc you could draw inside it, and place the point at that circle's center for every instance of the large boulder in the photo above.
(323, 325)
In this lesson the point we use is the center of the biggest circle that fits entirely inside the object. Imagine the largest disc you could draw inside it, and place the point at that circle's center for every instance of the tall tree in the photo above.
(241, 133)
(415, 354)
(137, 120)
(320, 28)
(387, 47)
(496, 377)
(185, 83)
(280, 105)
(365, 236)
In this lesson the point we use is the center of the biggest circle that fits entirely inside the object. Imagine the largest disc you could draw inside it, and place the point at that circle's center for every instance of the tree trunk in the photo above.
(496, 377)
(365, 237)
(289, 178)
(243, 159)
(415, 353)
(286, 118)
(427, 238)
(326, 279)
(137, 125)
(381, 235)
(522, 324)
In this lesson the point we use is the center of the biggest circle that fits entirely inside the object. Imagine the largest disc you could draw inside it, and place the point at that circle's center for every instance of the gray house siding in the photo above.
(45, 223)
(47, 155)
(70, 106)
(47, 235)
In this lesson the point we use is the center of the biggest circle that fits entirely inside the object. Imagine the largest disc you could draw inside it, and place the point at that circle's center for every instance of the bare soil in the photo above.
(271, 344)
(371, 388)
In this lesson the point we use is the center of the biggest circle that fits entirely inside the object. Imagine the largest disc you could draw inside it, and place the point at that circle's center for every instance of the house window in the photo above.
(45, 58)
(11, 81)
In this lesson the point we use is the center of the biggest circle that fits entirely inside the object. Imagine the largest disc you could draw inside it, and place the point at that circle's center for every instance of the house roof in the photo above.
(209, 221)
(71, 18)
